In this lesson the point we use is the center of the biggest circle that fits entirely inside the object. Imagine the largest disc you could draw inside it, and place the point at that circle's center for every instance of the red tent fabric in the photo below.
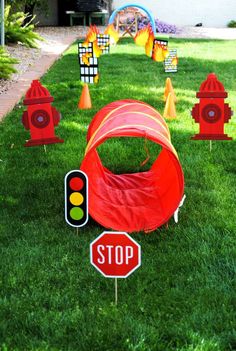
(138, 201)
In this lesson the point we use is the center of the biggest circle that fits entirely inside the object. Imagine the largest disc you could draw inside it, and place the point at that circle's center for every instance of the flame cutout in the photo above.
(85, 44)
(165, 52)
(114, 35)
(85, 58)
(149, 44)
(97, 51)
(159, 53)
(174, 61)
(96, 78)
(107, 44)
(91, 35)
(142, 36)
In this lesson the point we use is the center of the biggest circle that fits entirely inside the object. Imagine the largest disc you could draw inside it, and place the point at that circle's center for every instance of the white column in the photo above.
(2, 23)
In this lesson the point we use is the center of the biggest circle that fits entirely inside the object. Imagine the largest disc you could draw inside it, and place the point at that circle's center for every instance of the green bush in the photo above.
(6, 64)
(232, 24)
(17, 31)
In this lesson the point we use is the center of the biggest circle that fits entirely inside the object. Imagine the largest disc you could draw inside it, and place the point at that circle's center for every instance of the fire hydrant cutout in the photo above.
(40, 117)
(212, 112)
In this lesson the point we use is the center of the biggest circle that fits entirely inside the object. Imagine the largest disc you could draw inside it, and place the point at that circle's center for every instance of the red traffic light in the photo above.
(76, 198)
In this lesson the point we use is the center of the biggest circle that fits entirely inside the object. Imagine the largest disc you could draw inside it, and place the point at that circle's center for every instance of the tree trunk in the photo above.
(29, 9)
(110, 5)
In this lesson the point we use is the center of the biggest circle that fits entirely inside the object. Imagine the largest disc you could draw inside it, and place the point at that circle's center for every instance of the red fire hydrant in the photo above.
(212, 112)
(40, 117)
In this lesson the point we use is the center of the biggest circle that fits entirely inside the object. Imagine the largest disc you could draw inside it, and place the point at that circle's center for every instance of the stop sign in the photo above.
(115, 254)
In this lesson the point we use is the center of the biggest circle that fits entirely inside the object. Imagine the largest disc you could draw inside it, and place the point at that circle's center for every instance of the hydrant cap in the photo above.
(37, 94)
(212, 87)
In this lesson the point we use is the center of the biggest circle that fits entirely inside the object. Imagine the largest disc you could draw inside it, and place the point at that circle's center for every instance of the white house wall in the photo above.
(212, 13)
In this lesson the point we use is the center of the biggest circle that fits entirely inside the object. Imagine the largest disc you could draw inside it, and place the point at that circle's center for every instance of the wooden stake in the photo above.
(77, 231)
(210, 145)
(118, 22)
(45, 148)
(136, 23)
(116, 292)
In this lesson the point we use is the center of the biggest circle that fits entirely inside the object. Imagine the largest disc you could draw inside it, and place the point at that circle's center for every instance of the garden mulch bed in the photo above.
(28, 57)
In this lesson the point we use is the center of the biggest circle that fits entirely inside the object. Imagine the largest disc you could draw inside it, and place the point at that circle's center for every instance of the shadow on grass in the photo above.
(42, 173)
(181, 277)
(133, 67)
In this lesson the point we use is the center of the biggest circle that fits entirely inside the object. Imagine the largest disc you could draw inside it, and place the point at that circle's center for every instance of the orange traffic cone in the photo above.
(170, 110)
(85, 100)
(169, 89)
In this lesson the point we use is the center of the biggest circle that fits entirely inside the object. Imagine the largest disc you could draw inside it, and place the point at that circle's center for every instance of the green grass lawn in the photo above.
(183, 296)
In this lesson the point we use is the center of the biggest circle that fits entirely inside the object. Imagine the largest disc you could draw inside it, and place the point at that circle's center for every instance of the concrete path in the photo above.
(206, 33)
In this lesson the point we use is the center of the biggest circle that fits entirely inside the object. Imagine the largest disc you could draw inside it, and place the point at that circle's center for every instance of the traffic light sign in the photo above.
(76, 198)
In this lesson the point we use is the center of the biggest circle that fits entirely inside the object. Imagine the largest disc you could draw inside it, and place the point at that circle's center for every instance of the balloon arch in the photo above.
(150, 15)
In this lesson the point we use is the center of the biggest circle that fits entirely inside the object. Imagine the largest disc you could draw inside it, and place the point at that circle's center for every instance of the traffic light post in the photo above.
(2, 23)
(76, 198)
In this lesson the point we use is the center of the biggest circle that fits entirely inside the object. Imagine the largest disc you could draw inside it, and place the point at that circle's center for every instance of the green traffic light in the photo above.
(76, 213)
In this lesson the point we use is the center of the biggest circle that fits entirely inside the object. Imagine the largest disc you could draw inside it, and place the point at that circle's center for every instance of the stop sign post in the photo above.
(115, 255)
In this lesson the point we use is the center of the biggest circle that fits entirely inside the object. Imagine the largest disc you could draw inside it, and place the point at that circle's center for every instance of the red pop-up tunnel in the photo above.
(137, 201)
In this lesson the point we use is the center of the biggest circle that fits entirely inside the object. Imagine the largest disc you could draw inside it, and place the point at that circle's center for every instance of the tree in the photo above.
(110, 3)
